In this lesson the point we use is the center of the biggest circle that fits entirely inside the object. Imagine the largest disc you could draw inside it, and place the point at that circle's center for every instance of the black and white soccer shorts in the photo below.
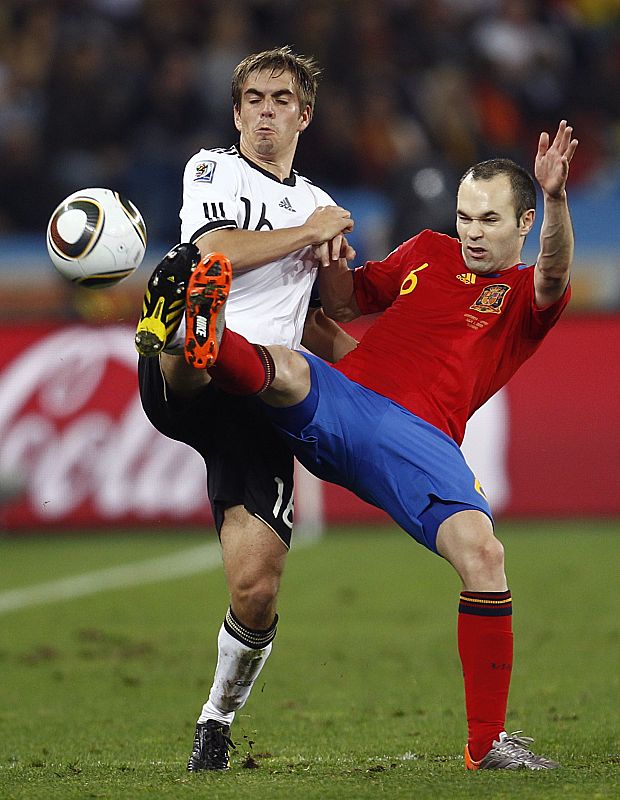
(247, 462)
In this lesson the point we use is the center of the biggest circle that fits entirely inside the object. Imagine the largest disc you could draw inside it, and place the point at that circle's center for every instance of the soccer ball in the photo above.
(96, 238)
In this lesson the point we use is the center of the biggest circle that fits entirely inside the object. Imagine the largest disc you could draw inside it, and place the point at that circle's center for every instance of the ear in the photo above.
(237, 119)
(304, 120)
(527, 221)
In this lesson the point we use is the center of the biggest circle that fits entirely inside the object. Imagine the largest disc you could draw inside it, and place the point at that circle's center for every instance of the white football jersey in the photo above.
(223, 189)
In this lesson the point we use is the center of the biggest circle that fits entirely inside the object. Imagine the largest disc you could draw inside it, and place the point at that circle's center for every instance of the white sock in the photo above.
(238, 667)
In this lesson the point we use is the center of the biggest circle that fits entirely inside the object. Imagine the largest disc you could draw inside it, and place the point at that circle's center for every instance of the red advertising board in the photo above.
(76, 449)
(74, 436)
(564, 445)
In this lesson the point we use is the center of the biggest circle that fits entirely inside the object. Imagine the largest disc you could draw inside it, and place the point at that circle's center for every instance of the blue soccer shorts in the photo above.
(349, 435)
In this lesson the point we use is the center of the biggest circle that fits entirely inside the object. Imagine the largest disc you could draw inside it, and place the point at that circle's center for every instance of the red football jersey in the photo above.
(448, 339)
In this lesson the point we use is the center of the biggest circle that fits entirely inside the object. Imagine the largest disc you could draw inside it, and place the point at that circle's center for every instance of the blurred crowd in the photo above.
(121, 92)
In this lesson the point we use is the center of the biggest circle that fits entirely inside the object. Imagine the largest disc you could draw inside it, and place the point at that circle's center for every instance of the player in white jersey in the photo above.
(273, 225)
(224, 189)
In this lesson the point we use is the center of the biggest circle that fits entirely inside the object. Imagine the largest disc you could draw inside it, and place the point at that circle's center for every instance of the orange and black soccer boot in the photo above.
(207, 292)
(164, 300)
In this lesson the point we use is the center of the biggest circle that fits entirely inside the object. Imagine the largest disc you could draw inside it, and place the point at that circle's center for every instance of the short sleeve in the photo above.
(210, 194)
(377, 284)
(543, 319)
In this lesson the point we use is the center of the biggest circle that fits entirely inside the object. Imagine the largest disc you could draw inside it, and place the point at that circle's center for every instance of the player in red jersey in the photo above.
(459, 318)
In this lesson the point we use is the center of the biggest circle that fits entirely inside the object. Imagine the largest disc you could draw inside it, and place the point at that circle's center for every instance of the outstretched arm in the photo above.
(251, 249)
(554, 260)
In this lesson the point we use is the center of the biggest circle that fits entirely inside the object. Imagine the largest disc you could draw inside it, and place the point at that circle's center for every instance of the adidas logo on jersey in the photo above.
(467, 277)
(286, 203)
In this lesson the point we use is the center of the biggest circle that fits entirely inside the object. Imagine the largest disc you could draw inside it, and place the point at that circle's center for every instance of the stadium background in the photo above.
(121, 92)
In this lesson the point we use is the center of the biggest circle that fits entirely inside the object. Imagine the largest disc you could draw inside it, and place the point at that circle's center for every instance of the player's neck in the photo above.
(280, 167)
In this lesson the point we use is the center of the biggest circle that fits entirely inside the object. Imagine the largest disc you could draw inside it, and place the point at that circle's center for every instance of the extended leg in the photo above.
(279, 375)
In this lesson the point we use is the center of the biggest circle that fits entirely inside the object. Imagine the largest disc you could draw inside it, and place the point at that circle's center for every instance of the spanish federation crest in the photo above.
(491, 299)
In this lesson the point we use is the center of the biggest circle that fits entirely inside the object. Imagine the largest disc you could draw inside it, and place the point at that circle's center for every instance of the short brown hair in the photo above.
(521, 182)
(304, 71)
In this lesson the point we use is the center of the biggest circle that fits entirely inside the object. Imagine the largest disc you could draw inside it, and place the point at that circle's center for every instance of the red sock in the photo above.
(242, 368)
(485, 648)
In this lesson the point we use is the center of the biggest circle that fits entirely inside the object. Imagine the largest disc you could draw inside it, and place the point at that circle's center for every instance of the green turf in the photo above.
(361, 698)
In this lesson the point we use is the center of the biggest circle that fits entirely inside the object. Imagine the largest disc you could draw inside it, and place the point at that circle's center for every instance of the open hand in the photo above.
(552, 160)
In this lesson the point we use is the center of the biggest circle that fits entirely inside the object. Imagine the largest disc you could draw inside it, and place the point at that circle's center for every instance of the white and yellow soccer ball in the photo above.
(96, 238)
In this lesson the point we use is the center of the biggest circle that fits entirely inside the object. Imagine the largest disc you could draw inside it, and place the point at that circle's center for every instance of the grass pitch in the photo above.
(362, 696)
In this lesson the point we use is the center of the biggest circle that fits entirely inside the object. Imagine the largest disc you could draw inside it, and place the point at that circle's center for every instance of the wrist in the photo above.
(558, 197)
(310, 235)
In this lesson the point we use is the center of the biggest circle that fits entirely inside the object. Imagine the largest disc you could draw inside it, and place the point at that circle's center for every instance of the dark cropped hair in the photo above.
(521, 182)
(304, 71)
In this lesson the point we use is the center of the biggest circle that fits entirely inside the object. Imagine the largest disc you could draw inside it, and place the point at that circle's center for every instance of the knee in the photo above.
(287, 363)
(291, 383)
(486, 554)
(481, 564)
(253, 599)
(467, 541)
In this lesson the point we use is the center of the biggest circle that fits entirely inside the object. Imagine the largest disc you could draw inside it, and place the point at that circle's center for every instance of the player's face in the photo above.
(270, 118)
(486, 224)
